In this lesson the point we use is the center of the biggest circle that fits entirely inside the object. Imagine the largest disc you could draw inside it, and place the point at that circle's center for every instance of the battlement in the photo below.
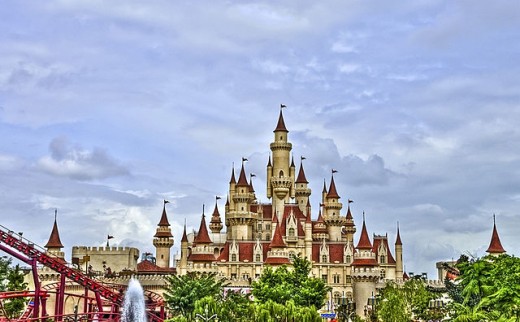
(93, 249)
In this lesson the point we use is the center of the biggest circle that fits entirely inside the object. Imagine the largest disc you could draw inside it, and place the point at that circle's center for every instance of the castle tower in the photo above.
(183, 264)
(215, 224)
(201, 252)
(495, 246)
(302, 191)
(163, 240)
(280, 181)
(365, 272)
(398, 256)
(239, 218)
(277, 254)
(332, 213)
(54, 244)
(349, 228)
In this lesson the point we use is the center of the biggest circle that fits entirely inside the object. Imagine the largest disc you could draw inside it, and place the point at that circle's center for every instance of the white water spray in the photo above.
(134, 309)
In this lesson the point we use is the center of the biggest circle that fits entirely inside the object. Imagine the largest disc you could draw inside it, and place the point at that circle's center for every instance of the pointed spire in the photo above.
(495, 246)
(184, 238)
(280, 127)
(251, 188)
(320, 218)
(398, 238)
(364, 240)
(232, 180)
(54, 239)
(164, 217)
(301, 175)
(242, 179)
(277, 238)
(324, 186)
(308, 219)
(292, 162)
(349, 214)
(202, 235)
(215, 224)
(332, 189)
(269, 162)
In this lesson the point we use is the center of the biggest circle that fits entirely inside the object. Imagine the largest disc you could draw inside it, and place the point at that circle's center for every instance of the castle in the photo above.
(259, 234)
(270, 234)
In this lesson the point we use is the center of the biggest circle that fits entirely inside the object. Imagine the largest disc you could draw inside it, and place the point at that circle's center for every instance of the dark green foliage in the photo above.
(283, 284)
(488, 289)
(182, 291)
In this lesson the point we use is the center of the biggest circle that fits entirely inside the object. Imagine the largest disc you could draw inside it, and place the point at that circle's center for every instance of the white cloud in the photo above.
(78, 163)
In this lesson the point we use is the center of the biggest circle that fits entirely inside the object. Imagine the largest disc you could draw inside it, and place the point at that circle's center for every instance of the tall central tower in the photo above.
(281, 173)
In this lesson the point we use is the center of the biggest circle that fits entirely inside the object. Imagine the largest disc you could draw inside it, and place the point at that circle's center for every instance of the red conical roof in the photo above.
(301, 175)
(242, 180)
(277, 238)
(332, 190)
(349, 214)
(281, 124)
(202, 235)
(398, 239)
(54, 239)
(495, 246)
(164, 217)
(215, 217)
(232, 180)
(364, 240)
(184, 238)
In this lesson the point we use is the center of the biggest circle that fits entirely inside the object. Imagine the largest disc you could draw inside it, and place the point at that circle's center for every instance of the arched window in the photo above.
(382, 259)
(323, 258)
(291, 232)
(233, 257)
(348, 259)
(280, 174)
(257, 257)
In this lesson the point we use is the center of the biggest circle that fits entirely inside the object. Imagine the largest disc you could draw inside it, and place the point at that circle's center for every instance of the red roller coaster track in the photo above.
(31, 254)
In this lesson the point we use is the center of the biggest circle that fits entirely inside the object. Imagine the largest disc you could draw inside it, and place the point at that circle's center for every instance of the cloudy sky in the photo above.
(109, 107)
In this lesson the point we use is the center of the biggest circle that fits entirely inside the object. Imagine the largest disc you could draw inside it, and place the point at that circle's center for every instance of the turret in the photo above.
(280, 183)
(239, 218)
(302, 190)
(398, 256)
(54, 244)
(183, 265)
(332, 212)
(495, 246)
(163, 240)
(365, 271)
(349, 228)
(216, 223)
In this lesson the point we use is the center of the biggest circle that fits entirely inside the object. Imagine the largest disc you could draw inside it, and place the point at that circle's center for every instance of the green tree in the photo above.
(398, 303)
(182, 291)
(488, 289)
(283, 284)
(12, 279)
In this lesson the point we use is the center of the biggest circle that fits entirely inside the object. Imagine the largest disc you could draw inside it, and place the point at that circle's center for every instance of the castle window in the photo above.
(382, 274)
(162, 256)
(280, 174)
(268, 237)
(233, 257)
(257, 257)
(325, 278)
(291, 232)
(348, 279)
(348, 259)
(260, 227)
(267, 226)
(382, 259)
(336, 279)
(323, 258)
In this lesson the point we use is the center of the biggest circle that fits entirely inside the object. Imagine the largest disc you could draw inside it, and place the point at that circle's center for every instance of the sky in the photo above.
(109, 107)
